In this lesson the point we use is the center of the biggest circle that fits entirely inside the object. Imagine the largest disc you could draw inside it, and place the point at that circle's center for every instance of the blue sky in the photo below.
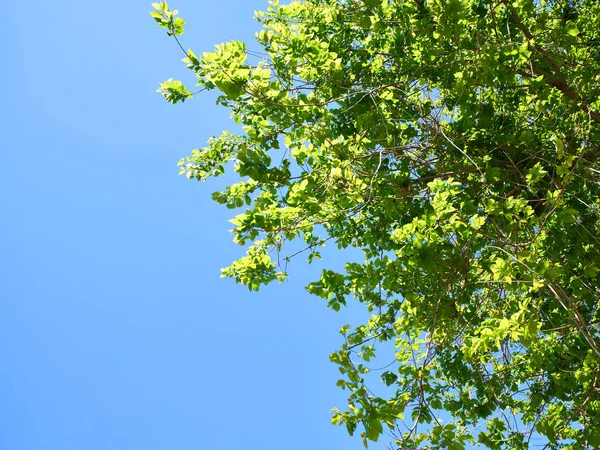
(116, 331)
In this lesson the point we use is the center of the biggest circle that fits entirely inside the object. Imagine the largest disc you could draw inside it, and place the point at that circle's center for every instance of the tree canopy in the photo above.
(455, 143)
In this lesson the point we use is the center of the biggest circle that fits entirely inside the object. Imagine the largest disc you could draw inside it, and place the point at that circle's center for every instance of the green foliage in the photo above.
(166, 18)
(454, 142)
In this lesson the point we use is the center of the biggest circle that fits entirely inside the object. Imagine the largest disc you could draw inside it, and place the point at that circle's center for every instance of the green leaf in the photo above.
(374, 429)
(591, 271)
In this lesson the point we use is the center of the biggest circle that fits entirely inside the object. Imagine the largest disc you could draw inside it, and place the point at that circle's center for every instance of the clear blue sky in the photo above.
(116, 331)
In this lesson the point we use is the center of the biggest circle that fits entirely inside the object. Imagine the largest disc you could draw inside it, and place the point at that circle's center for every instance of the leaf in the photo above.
(591, 271)
(560, 145)
(568, 215)
(374, 429)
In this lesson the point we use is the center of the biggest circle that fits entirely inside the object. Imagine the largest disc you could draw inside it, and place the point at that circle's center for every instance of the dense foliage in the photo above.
(455, 143)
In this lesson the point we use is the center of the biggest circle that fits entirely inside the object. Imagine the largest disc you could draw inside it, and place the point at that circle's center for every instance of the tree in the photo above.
(455, 143)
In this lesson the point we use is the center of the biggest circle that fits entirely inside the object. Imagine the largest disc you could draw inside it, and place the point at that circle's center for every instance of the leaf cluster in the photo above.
(456, 144)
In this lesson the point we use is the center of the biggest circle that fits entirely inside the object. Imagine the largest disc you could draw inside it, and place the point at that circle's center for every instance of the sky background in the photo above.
(116, 331)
